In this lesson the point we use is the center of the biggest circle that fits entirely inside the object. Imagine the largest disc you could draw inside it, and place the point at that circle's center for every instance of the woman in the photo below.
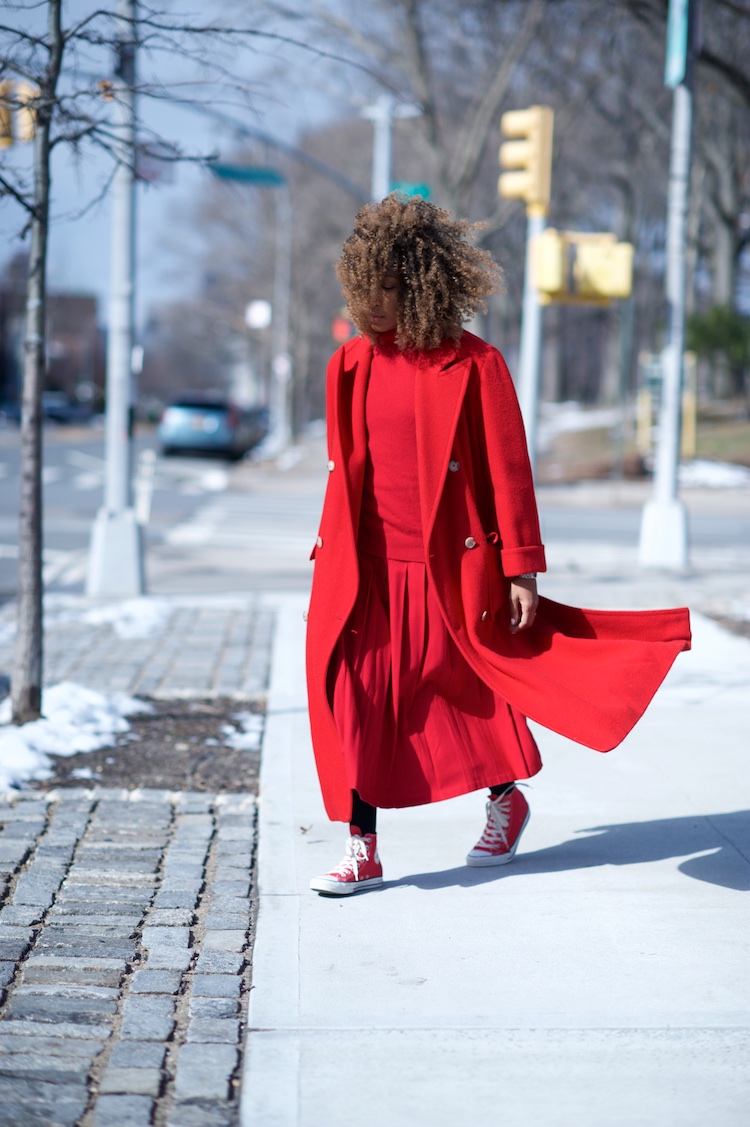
(428, 645)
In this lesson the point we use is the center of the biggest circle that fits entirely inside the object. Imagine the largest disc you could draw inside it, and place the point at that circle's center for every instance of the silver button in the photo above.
(304, 615)
(319, 542)
(453, 466)
(470, 542)
(485, 613)
(331, 465)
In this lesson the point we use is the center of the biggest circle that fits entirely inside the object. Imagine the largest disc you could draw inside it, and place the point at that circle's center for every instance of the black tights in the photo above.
(365, 817)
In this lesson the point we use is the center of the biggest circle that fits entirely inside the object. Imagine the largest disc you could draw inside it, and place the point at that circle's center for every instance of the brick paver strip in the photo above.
(124, 960)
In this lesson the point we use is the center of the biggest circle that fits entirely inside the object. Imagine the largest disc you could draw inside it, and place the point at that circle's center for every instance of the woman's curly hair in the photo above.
(443, 278)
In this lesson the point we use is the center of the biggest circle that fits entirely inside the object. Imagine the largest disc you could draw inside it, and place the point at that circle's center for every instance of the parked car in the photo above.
(210, 424)
(58, 408)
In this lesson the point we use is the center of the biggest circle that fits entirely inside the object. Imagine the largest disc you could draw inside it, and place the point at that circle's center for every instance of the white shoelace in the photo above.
(498, 821)
(356, 854)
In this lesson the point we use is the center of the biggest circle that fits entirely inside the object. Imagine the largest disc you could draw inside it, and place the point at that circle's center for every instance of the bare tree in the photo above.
(72, 106)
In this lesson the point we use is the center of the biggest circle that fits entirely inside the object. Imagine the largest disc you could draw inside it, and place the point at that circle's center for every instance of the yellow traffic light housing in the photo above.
(581, 267)
(6, 115)
(17, 112)
(528, 156)
(550, 264)
(604, 268)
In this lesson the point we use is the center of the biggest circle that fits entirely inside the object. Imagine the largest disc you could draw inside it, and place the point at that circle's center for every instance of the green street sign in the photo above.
(675, 65)
(407, 188)
(248, 174)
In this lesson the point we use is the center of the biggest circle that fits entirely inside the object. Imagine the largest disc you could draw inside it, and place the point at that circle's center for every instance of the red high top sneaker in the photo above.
(507, 817)
(360, 869)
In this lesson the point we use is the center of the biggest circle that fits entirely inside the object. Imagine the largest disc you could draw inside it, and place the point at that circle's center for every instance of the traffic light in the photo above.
(550, 265)
(6, 115)
(603, 267)
(528, 155)
(17, 102)
(581, 266)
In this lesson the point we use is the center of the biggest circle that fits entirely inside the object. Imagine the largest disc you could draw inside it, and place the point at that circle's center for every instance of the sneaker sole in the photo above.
(335, 888)
(489, 860)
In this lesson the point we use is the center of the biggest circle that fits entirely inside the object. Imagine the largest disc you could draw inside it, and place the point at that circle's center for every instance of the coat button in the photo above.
(470, 542)
(304, 616)
(331, 465)
(453, 466)
(319, 542)
(485, 614)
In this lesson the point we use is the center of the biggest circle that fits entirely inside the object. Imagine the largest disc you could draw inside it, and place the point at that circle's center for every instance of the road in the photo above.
(216, 528)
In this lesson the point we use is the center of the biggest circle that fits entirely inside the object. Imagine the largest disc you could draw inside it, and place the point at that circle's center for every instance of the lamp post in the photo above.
(664, 531)
(281, 360)
(381, 113)
(116, 555)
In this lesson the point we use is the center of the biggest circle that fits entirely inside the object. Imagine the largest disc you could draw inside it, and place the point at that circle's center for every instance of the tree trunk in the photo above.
(27, 670)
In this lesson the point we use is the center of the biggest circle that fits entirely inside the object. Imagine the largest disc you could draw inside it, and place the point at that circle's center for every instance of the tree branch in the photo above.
(466, 159)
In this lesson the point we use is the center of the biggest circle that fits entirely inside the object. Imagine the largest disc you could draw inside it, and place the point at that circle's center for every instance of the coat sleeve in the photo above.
(509, 469)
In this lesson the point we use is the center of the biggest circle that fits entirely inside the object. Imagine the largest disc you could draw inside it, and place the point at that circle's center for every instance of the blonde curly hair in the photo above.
(443, 278)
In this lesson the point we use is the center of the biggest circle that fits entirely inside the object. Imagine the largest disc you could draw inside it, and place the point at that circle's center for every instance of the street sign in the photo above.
(248, 174)
(675, 65)
(407, 188)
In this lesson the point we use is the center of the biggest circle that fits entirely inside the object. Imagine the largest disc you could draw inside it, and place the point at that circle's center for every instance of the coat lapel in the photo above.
(440, 394)
(350, 412)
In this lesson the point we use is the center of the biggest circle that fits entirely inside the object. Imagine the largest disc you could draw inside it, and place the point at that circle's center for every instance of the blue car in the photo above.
(210, 424)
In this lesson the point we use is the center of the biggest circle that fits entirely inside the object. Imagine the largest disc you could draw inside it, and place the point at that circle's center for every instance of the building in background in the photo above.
(74, 379)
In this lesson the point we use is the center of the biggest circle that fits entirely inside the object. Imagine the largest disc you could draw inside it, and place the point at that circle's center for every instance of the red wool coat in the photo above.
(586, 674)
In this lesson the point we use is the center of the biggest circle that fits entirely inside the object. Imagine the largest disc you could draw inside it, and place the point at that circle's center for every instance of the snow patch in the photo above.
(560, 418)
(75, 719)
(702, 474)
(247, 736)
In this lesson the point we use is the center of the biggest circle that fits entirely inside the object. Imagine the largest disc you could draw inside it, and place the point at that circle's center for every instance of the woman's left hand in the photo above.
(523, 603)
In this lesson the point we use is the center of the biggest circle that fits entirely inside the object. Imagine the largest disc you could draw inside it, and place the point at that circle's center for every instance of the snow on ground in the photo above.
(560, 418)
(246, 736)
(701, 474)
(75, 719)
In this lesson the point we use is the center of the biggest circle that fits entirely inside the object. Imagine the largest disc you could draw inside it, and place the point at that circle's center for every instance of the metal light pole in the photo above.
(281, 363)
(381, 113)
(530, 348)
(116, 556)
(528, 155)
(664, 531)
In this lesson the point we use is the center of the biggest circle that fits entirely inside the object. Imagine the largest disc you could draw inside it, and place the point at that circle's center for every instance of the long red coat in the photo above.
(584, 673)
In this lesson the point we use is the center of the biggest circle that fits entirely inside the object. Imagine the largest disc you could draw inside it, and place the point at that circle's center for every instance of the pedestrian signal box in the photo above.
(527, 156)
(581, 267)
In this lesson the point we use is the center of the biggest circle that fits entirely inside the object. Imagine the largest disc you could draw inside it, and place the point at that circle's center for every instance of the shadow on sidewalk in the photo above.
(722, 840)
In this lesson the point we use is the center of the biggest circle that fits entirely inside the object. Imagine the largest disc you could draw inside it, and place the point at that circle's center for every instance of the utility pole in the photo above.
(381, 113)
(281, 362)
(529, 156)
(116, 556)
(664, 531)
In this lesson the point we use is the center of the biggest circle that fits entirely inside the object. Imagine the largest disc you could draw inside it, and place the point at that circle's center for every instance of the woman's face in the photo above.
(384, 305)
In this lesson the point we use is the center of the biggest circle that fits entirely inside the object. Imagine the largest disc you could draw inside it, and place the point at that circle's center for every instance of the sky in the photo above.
(286, 102)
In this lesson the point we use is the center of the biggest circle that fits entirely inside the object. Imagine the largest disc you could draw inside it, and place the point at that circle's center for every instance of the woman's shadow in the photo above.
(721, 842)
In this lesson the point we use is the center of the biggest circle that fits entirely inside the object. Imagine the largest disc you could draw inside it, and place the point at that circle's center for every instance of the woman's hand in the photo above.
(523, 603)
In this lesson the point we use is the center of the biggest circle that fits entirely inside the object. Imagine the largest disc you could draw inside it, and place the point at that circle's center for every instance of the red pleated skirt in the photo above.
(416, 723)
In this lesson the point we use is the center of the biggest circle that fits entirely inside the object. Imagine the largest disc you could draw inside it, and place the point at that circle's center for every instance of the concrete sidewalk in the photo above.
(600, 980)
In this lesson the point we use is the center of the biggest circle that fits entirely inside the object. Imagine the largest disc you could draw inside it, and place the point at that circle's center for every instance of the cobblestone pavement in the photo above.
(126, 916)
(125, 938)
